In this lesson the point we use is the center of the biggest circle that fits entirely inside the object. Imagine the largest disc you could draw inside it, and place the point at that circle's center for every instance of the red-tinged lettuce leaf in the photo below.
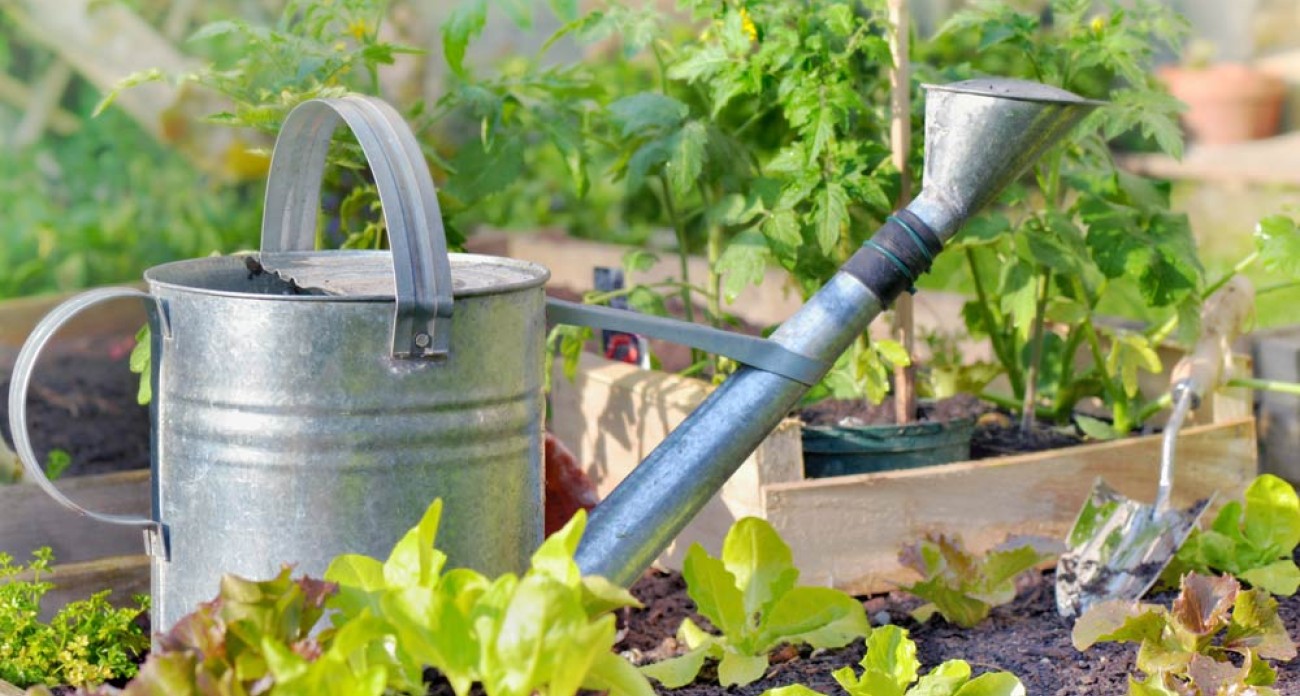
(1202, 606)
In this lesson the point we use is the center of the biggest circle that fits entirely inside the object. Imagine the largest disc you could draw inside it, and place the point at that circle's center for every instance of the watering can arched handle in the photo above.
(25, 365)
(421, 269)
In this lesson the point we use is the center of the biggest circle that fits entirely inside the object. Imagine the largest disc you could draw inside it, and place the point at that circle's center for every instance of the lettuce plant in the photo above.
(890, 668)
(958, 585)
(1253, 539)
(548, 633)
(1216, 638)
(750, 595)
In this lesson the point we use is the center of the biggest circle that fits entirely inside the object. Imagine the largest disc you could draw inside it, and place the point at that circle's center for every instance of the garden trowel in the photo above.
(1118, 547)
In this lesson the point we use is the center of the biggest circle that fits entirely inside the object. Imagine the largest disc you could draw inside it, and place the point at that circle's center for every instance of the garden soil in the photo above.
(1025, 637)
(82, 400)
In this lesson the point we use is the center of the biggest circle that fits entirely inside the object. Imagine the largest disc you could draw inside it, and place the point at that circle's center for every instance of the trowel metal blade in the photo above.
(1118, 548)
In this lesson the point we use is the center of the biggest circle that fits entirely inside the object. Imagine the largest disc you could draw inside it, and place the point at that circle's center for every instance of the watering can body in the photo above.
(294, 420)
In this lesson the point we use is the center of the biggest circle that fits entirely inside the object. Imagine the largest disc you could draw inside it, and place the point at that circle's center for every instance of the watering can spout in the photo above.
(980, 136)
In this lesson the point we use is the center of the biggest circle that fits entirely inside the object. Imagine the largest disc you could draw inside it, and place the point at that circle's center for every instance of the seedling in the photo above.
(960, 586)
(1216, 638)
(890, 668)
(750, 595)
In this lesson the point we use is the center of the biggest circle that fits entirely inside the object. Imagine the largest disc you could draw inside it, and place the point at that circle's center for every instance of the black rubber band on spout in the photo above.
(892, 260)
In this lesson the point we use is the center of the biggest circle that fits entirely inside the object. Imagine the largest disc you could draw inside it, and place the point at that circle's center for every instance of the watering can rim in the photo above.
(1013, 89)
(533, 275)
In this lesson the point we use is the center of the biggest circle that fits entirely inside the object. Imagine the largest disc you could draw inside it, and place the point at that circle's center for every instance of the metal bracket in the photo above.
(760, 353)
(157, 542)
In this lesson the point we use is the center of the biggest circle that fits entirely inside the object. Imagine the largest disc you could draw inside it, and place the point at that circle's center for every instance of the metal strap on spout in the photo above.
(763, 354)
(421, 269)
(155, 534)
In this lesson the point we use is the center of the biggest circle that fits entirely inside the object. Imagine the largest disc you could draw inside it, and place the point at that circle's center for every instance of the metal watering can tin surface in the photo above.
(296, 420)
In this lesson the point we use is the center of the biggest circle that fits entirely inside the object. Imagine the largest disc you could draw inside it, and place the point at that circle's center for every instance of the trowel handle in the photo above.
(1224, 317)
(421, 268)
(18, 386)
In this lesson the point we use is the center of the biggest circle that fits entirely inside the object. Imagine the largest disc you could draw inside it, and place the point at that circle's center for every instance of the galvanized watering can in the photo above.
(310, 403)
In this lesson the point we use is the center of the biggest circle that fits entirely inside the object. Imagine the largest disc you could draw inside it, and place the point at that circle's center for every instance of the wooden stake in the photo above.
(900, 139)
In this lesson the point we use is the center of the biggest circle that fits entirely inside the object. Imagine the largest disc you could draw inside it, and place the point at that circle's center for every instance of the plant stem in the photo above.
(1264, 384)
(993, 326)
(1036, 355)
(683, 257)
(1119, 400)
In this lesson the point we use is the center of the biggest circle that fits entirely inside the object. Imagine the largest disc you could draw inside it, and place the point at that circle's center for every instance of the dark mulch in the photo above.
(83, 400)
(1025, 637)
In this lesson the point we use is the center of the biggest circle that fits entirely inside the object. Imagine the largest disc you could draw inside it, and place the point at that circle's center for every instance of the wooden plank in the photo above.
(847, 531)
(32, 519)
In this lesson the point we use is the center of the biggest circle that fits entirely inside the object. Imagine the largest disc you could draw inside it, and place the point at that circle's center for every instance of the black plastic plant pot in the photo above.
(832, 450)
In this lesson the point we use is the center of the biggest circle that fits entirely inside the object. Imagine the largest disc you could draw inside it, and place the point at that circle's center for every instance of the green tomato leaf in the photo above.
(639, 260)
(465, 22)
(687, 155)
(743, 263)
(1278, 243)
(892, 352)
(701, 64)
(647, 113)
(832, 213)
(1096, 429)
(985, 229)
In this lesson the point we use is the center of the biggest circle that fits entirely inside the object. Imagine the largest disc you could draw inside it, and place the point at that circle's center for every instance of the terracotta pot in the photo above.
(1227, 102)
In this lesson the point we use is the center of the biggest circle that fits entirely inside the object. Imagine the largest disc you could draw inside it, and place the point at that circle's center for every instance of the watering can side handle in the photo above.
(24, 367)
(763, 354)
(421, 267)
